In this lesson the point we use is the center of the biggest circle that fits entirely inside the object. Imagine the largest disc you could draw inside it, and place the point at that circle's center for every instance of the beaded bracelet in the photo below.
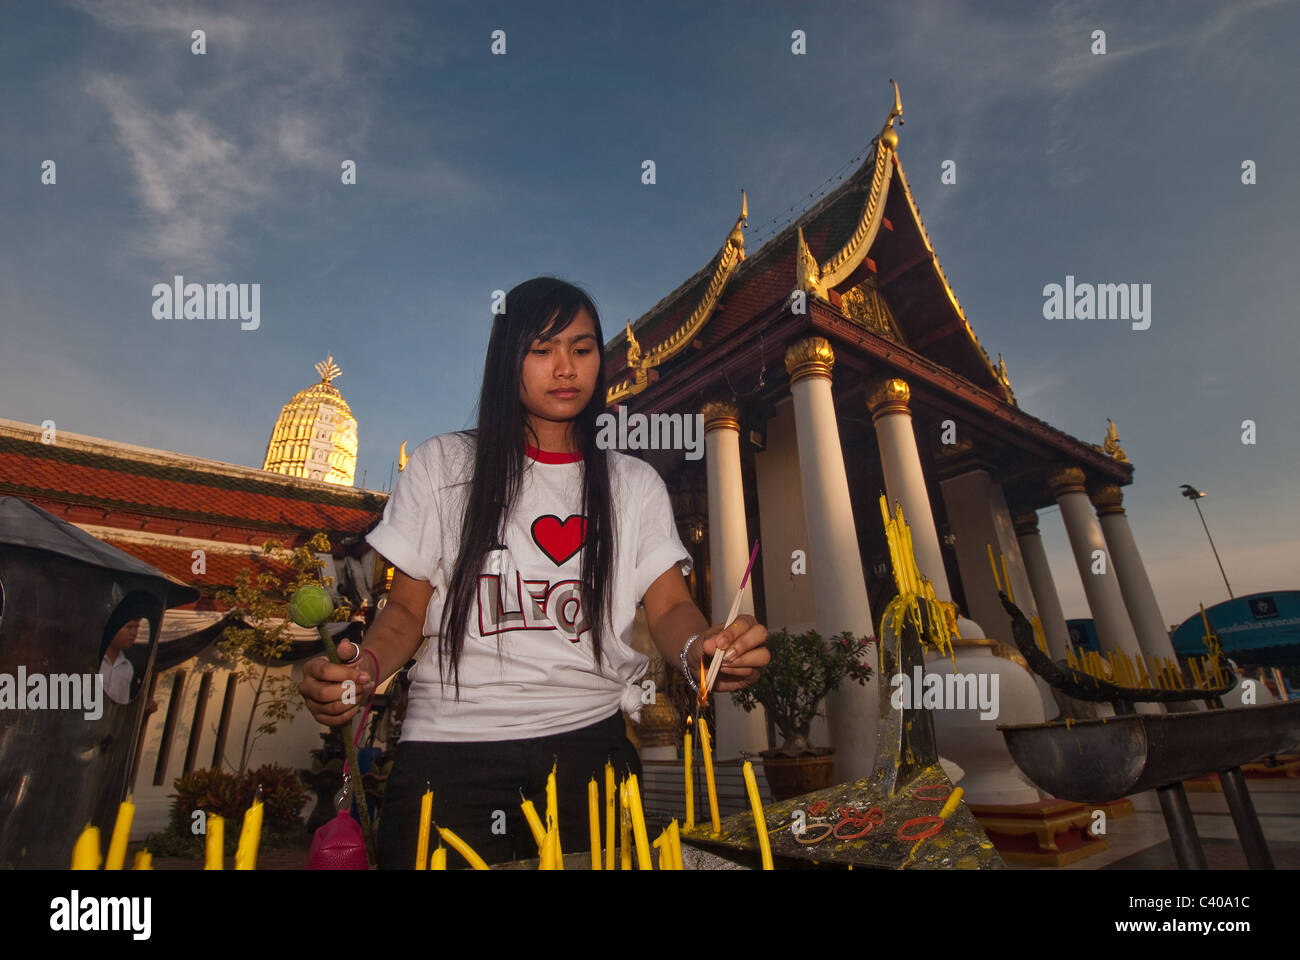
(686, 667)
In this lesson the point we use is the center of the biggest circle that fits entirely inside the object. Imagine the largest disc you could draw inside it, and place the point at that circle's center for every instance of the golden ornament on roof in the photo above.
(1111, 445)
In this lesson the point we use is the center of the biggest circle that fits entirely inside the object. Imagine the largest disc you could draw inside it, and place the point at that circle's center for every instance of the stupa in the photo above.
(315, 436)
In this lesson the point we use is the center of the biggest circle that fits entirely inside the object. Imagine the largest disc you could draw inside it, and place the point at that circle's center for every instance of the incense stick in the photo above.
(716, 665)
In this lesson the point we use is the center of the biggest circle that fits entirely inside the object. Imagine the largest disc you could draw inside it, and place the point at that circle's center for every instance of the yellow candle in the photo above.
(665, 855)
(690, 786)
(675, 837)
(708, 776)
(422, 841)
(121, 834)
(638, 824)
(994, 567)
(439, 859)
(143, 860)
(625, 828)
(760, 822)
(547, 861)
(463, 848)
(250, 836)
(593, 816)
(86, 855)
(534, 823)
(954, 798)
(215, 844)
(553, 816)
(611, 792)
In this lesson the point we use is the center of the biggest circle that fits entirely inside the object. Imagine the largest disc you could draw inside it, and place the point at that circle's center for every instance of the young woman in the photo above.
(521, 551)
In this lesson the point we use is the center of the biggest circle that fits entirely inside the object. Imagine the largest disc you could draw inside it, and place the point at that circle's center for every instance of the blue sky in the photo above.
(478, 171)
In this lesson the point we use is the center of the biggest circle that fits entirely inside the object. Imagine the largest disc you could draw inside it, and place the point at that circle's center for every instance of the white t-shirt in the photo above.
(542, 680)
(118, 675)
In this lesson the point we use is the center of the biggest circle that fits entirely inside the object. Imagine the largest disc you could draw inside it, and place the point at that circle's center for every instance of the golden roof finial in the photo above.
(1111, 445)
(888, 135)
(328, 370)
(737, 236)
(633, 349)
(808, 274)
(1002, 371)
(402, 458)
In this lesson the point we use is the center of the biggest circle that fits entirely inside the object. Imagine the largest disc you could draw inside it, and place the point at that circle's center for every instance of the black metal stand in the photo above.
(1182, 828)
(1246, 820)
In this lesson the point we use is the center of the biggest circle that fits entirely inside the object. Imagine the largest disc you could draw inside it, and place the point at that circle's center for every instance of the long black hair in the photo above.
(537, 305)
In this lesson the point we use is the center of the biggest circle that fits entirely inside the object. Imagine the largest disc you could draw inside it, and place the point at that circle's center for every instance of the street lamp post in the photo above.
(1192, 494)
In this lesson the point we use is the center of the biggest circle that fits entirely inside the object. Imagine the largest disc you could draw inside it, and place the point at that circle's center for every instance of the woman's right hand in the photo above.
(323, 686)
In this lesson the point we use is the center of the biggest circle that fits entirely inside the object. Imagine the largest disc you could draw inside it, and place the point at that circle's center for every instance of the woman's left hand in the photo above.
(745, 641)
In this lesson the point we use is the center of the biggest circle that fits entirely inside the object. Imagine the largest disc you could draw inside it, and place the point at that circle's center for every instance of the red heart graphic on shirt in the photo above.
(557, 540)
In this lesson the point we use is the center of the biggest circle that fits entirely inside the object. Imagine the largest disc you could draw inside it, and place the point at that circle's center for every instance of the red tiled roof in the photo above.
(72, 476)
(222, 568)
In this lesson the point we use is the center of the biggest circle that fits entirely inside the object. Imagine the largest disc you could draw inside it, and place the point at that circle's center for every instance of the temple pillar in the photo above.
(728, 556)
(1144, 611)
(841, 594)
(1048, 601)
(1110, 617)
(979, 518)
(904, 481)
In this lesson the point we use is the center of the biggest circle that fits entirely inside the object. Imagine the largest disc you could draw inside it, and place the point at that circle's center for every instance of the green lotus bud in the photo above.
(310, 606)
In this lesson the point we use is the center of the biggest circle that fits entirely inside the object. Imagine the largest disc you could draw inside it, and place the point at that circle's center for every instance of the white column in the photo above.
(1114, 629)
(979, 519)
(1048, 601)
(728, 556)
(841, 595)
(904, 482)
(1134, 584)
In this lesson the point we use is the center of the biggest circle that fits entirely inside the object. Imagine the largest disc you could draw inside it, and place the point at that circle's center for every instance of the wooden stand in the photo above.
(1044, 833)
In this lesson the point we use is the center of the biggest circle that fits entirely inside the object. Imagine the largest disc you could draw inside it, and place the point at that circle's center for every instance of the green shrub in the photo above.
(215, 791)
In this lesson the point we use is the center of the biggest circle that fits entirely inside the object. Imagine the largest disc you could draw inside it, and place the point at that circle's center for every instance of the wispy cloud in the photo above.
(998, 66)
(275, 102)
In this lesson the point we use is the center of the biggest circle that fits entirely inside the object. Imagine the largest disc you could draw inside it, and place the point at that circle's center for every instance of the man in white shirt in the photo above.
(115, 667)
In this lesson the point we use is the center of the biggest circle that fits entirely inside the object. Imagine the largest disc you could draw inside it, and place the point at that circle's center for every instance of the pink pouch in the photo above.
(338, 845)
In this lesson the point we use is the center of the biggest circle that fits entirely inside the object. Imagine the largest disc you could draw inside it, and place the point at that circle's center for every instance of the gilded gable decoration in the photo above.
(817, 278)
(865, 306)
(640, 362)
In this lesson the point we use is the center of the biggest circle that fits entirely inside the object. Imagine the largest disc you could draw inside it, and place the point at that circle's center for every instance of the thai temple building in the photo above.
(315, 435)
(831, 366)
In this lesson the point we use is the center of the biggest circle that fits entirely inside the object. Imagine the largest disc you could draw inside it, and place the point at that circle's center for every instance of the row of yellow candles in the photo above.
(1143, 671)
(547, 837)
(86, 855)
(751, 788)
(1164, 674)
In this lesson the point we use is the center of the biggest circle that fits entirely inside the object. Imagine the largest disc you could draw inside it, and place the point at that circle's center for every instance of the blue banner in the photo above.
(1259, 630)
(1083, 635)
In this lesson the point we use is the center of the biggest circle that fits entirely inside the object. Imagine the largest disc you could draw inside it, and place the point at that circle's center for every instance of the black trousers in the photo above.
(472, 781)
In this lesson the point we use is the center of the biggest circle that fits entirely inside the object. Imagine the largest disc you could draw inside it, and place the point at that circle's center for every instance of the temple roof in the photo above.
(874, 206)
(90, 480)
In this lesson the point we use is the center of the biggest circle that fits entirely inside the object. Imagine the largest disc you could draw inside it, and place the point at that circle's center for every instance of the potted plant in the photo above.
(803, 670)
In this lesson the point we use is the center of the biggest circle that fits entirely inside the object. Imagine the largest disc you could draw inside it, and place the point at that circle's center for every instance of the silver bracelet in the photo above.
(686, 667)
